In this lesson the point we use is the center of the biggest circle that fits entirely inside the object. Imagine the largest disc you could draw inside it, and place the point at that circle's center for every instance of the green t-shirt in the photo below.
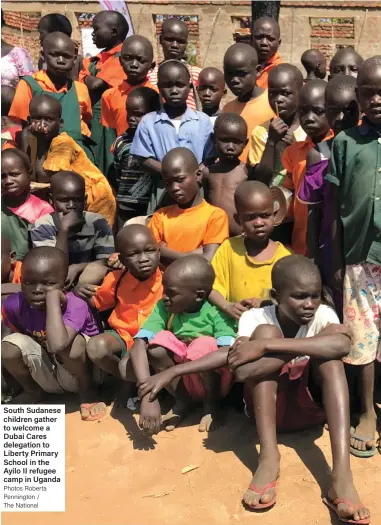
(208, 321)
(16, 229)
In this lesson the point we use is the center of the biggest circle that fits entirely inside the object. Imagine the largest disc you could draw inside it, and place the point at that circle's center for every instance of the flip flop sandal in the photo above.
(92, 416)
(334, 504)
(369, 453)
(255, 489)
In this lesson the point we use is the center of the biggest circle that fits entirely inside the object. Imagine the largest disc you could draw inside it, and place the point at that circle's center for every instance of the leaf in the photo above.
(185, 470)
(159, 495)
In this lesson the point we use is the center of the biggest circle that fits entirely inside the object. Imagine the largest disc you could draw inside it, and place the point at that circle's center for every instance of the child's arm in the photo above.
(58, 336)
(235, 310)
(67, 223)
(87, 293)
(151, 164)
(264, 170)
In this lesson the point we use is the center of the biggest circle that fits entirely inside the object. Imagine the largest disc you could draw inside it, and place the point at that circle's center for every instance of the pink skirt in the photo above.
(194, 350)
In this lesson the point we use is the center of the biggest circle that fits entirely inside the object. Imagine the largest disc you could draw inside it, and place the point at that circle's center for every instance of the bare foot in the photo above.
(344, 489)
(177, 413)
(267, 472)
(366, 429)
(210, 422)
(93, 411)
(27, 398)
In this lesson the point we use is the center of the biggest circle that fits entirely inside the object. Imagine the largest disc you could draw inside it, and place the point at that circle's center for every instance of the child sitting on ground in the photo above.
(240, 69)
(270, 354)
(176, 125)
(243, 264)
(10, 130)
(211, 88)
(134, 184)
(45, 334)
(131, 293)
(346, 61)
(83, 236)
(184, 326)
(15, 187)
(315, 64)
(57, 151)
(192, 225)
(222, 178)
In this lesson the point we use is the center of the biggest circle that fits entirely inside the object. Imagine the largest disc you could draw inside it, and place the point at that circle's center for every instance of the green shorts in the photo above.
(122, 343)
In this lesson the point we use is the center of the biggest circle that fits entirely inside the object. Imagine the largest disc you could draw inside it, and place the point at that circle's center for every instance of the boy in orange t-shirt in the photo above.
(132, 293)
(266, 41)
(240, 69)
(192, 225)
(313, 120)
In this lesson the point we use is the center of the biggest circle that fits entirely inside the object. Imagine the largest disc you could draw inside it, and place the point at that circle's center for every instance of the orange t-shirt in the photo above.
(23, 96)
(263, 77)
(17, 272)
(255, 112)
(294, 160)
(189, 229)
(132, 304)
(113, 106)
(110, 69)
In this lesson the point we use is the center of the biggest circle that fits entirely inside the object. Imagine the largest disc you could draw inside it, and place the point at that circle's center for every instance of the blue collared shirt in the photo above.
(156, 135)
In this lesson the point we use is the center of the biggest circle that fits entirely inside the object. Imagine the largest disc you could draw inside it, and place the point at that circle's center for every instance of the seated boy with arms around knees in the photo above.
(15, 187)
(192, 225)
(183, 327)
(83, 236)
(315, 64)
(274, 343)
(134, 183)
(243, 264)
(132, 293)
(45, 334)
(57, 151)
(211, 88)
(222, 178)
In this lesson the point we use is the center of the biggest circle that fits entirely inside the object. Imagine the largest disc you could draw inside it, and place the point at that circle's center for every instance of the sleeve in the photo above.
(76, 312)
(323, 318)
(84, 101)
(25, 64)
(288, 164)
(218, 228)
(142, 144)
(104, 245)
(257, 145)
(84, 71)
(155, 323)
(209, 149)
(43, 235)
(221, 270)
(45, 209)
(61, 154)
(10, 312)
(156, 227)
(225, 328)
(335, 166)
(105, 296)
(107, 114)
(249, 322)
(311, 189)
(20, 105)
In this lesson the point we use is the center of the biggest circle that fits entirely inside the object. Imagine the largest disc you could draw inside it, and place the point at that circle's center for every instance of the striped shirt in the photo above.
(95, 241)
(194, 73)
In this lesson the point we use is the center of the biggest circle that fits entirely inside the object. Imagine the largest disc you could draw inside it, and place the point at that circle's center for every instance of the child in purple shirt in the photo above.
(45, 334)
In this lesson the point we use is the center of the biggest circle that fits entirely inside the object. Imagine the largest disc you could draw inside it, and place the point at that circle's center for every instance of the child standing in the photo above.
(15, 187)
(191, 225)
(184, 326)
(134, 184)
(266, 42)
(211, 88)
(354, 174)
(345, 62)
(315, 64)
(45, 334)
(223, 177)
(83, 236)
(240, 68)
(243, 264)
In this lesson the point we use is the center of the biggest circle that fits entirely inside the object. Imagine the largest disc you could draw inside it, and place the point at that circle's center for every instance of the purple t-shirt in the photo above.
(17, 313)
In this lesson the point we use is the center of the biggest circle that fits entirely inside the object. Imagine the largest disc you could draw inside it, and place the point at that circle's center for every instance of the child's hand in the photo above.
(70, 221)
(150, 416)
(313, 157)
(245, 352)
(85, 291)
(72, 275)
(152, 385)
(277, 130)
(235, 310)
(59, 294)
(252, 302)
(289, 138)
(36, 128)
(114, 263)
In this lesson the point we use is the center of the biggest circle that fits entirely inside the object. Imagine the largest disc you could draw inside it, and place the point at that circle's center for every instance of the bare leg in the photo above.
(336, 405)
(212, 415)
(101, 350)
(368, 418)
(12, 361)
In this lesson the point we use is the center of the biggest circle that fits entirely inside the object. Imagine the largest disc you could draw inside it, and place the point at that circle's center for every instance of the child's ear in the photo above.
(236, 218)
(199, 174)
(224, 92)
(274, 296)
(61, 122)
(12, 257)
(200, 295)
(153, 65)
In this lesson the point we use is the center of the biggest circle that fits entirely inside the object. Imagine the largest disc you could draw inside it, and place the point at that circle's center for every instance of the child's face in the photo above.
(136, 61)
(15, 179)
(69, 197)
(59, 57)
(342, 110)
(312, 113)
(283, 95)
(256, 215)
(174, 41)
(369, 95)
(347, 64)
(230, 140)
(174, 85)
(265, 40)
(103, 33)
(140, 254)
(182, 185)
(210, 90)
(300, 299)
(240, 74)
(136, 109)
(40, 277)
(181, 295)
(44, 120)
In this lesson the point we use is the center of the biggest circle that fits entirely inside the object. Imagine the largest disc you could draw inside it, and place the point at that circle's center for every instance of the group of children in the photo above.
(230, 225)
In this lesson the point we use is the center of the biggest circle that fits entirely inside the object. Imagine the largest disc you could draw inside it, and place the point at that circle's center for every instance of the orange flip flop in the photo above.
(334, 504)
(255, 489)
(89, 407)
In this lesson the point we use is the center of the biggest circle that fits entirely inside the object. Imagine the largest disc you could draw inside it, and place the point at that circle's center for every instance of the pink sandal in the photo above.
(334, 504)
(255, 489)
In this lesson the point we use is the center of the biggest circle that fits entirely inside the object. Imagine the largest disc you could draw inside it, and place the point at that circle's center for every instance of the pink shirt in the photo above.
(32, 209)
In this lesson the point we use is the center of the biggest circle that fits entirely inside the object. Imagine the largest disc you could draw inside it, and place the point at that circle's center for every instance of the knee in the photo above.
(97, 348)
(331, 369)
(10, 351)
(157, 352)
(266, 331)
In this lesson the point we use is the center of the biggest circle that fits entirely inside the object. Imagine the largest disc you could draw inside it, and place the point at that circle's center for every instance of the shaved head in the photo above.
(174, 23)
(128, 235)
(212, 74)
(314, 88)
(59, 39)
(315, 63)
(62, 178)
(241, 53)
(249, 190)
(179, 158)
(369, 67)
(45, 102)
(286, 71)
(114, 19)
(267, 21)
(7, 96)
(346, 62)
(191, 270)
(291, 269)
(266, 38)
(143, 42)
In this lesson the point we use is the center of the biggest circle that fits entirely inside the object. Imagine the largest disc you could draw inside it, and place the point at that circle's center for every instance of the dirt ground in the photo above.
(115, 475)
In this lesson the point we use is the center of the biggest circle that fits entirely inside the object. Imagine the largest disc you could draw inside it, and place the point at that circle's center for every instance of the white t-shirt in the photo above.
(176, 123)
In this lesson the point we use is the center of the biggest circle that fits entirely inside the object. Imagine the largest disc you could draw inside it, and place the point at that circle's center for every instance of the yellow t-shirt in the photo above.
(239, 276)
